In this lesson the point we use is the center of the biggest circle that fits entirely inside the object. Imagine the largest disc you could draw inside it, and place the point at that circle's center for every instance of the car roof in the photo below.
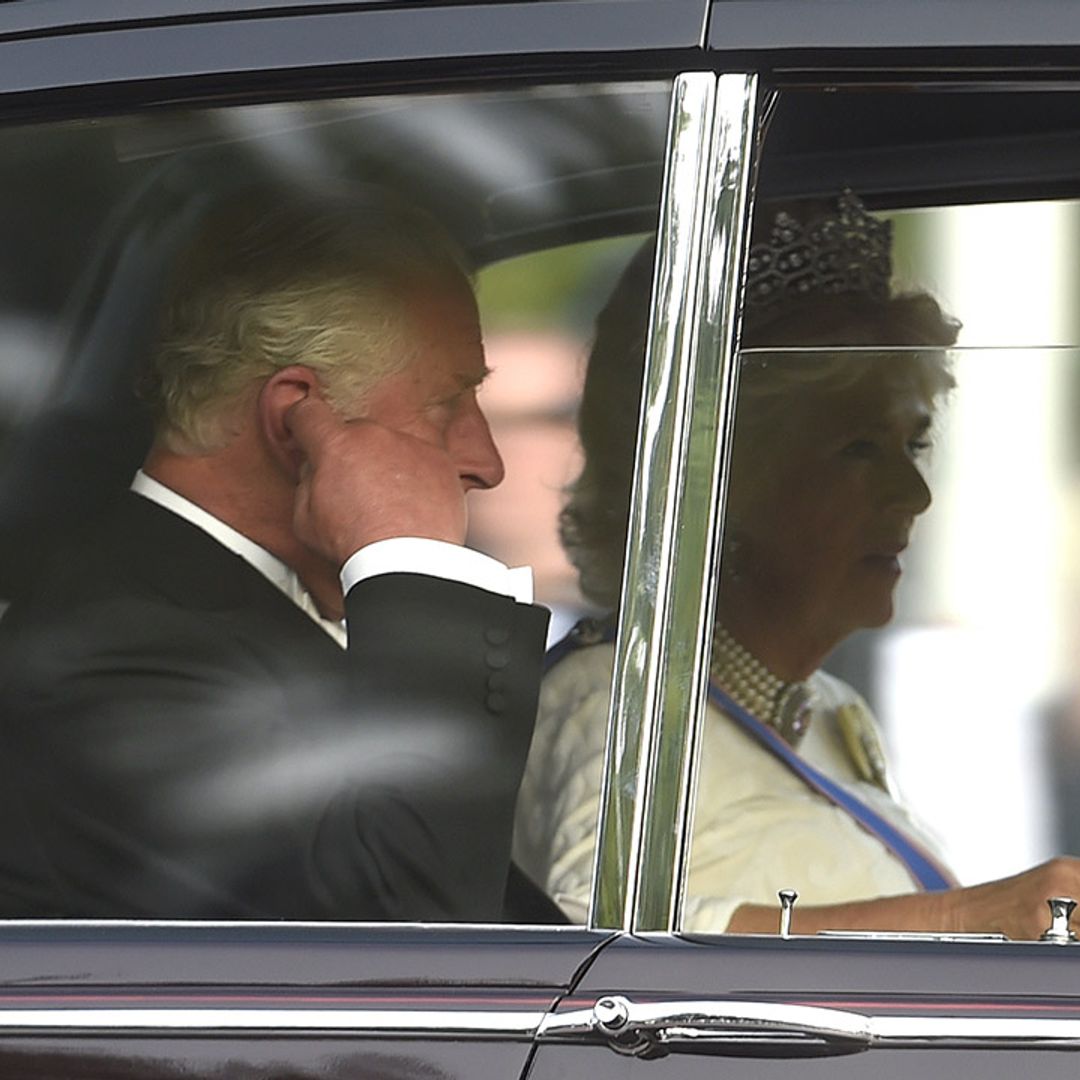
(789, 31)
(672, 20)
(732, 24)
(796, 25)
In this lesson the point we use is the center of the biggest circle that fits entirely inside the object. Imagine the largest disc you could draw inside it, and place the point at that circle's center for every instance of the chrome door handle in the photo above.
(774, 1030)
(751, 1028)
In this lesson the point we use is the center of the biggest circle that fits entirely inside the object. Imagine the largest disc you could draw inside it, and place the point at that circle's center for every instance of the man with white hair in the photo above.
(271, 682)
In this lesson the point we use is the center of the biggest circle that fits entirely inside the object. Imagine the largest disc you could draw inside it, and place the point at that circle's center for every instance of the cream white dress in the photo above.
(757, 826)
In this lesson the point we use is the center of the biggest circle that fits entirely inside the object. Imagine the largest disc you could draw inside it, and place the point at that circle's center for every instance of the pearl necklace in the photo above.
(783, 706)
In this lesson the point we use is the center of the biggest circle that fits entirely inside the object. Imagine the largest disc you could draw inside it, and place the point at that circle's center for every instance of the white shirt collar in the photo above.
(270, 566)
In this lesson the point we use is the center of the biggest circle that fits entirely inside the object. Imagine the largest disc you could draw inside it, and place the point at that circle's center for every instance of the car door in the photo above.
(112, 999)
(882, 103)
(263, 999)
(523, 128)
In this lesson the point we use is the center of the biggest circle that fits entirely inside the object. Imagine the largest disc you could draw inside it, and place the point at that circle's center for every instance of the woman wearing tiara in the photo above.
(826, 486)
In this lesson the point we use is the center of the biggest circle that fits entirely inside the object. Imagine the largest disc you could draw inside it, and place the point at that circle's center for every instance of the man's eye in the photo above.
(860, 448)
(919, 447)
(443, 406)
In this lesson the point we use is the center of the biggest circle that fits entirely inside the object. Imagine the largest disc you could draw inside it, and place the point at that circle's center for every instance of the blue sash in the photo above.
(922, 866)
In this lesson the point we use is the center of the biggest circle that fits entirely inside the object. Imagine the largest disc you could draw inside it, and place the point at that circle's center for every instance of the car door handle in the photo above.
(745, 1028)
(776, 1030)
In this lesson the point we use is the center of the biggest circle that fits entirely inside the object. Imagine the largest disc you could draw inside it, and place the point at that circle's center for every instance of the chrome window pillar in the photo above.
(665, 622)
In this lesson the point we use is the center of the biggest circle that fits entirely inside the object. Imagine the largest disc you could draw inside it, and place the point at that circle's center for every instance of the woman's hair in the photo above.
(268, 282)
(842, 301)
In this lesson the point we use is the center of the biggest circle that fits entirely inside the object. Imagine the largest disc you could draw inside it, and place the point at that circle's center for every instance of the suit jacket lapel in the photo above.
(165, 553)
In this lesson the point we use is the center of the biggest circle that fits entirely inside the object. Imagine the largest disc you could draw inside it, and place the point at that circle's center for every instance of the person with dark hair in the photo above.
(271, 682)
(826, 485)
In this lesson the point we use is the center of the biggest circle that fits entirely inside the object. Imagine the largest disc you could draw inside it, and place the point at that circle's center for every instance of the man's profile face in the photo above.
(434, 398)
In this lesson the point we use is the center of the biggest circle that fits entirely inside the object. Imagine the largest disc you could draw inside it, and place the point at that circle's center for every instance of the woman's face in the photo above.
(823, 505)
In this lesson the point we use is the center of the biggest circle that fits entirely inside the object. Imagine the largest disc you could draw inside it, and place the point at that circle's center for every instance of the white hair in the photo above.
(267, 283)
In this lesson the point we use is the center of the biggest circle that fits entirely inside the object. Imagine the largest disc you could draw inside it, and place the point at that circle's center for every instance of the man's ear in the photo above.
(278, 395)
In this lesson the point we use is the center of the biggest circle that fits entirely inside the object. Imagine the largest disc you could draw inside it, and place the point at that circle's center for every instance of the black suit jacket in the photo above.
(178, 739)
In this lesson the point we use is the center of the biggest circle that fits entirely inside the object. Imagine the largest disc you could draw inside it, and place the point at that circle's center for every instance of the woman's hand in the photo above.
(1013, 906)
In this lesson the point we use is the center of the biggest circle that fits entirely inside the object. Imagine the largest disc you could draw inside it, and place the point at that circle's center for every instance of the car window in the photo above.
(211, 707)
(892, 674)
(539, 314)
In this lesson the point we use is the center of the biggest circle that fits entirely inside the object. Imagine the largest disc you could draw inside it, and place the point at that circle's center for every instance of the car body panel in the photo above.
(338, 36)
(921, 986)
(829, 968)
(36, 17)
(789, 26)
(180, 954)
(163, 999)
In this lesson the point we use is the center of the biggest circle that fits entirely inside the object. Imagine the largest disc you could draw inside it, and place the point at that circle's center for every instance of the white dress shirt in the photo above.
(407, 554)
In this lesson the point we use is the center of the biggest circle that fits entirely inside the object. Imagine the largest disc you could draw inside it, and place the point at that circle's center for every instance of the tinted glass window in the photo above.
(272, 312)
(891, 670)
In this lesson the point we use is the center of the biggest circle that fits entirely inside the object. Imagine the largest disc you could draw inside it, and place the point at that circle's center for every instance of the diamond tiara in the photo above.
(845, 252)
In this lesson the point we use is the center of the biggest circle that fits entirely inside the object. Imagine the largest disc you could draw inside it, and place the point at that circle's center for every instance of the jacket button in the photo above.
(497, 658)
(496, 635)
(496, 703)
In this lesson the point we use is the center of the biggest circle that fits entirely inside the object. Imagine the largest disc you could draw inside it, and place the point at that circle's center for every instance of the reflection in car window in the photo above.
(948, 696)
(890, 713)
(854, 415)
(940, 660)
(537, 313)
(266, 678)
(843, 295)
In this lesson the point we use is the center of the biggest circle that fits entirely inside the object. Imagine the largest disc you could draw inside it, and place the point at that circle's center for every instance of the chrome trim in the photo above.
(787, 909)
(974, 1033)
(287, 924)
(1059, 932)
(909, 935)
(761, 1029)
(768, 1029)
(644, 1029)
(665, 623)
(369, 1023)
(630, 716)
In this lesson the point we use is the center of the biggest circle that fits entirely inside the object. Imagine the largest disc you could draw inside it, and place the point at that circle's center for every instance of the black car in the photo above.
(554, 139)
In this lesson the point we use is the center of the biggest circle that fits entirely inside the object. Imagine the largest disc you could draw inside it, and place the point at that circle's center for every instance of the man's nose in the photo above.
(473, 449)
